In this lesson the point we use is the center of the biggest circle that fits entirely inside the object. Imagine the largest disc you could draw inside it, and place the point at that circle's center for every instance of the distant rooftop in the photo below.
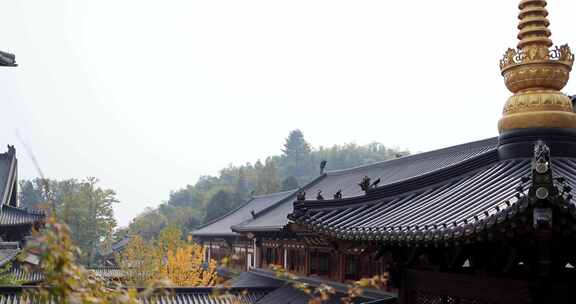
(221, 226)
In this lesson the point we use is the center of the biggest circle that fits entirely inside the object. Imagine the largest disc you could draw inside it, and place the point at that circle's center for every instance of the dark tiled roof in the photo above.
(33, 276)
(114, 248)
(14, 216)
(462, 201)
(121, 244)
(25, 276)
(287, 294)
(177, 296)
(8, 170)
(221, 226)
(389, 172)
(251, 279)
(8, 251)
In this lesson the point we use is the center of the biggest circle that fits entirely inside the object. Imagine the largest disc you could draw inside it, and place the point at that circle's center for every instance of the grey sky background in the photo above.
(148, 95)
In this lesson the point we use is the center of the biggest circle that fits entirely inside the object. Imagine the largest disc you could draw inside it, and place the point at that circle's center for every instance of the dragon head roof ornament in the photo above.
(536, 72)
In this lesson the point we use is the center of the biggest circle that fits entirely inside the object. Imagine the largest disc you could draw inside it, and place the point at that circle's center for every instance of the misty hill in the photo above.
(213, 196)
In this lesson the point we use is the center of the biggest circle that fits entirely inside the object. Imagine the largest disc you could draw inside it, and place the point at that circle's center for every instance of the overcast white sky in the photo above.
(147, 95)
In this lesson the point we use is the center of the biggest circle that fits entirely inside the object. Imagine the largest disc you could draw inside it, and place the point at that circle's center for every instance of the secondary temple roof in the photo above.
(10, 213)
(15, 216)
(221, 226)
(8, 176)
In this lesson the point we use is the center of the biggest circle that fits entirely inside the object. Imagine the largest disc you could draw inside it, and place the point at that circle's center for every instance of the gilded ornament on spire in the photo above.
(536, 72)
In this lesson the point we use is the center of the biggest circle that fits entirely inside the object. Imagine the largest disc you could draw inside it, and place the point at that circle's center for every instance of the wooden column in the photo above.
(306, 261)
(257, 254)
(246, 262)
(285, 263)
(341, 258)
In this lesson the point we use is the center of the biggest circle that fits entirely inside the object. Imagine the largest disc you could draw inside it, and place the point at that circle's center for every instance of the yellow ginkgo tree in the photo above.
(168, 258)
(185, 267)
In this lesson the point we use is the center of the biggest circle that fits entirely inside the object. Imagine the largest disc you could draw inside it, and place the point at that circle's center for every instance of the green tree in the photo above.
(148, 224)
(242, 189)
(65, 281)
(82, 205)
(187, 197)
(267, 178)
(31, 194)
(88, 210)
(219, 205)
(296, 153)
(290, 183)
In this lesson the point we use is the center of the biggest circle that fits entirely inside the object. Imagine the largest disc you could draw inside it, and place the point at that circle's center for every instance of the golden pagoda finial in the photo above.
(536, 74)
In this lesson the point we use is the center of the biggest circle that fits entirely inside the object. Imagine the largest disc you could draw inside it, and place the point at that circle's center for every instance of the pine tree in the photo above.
(296, 153)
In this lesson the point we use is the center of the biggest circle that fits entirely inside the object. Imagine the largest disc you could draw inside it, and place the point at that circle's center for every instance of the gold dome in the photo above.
(536, 73)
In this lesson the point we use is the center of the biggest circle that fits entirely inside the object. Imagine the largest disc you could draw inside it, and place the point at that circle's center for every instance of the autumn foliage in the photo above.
(65, 280)
(167, 258)
(184, 267)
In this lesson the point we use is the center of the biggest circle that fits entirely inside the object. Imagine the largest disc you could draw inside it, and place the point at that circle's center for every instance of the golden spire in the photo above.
(535, 73)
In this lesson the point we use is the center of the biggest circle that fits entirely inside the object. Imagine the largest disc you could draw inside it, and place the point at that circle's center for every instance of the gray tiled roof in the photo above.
(14, 216)
(289, 295)
(8, 251)
(35, 276)
(453, 204)
(221, 226)
(249, 279)
(392, 171)
(8, 174)
(177, 295)
(115, 247)
(26, 276)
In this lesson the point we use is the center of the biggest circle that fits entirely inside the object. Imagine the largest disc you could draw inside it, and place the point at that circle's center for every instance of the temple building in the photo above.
(264, 220)
(16, 223)
(492, 221)
(222, 242)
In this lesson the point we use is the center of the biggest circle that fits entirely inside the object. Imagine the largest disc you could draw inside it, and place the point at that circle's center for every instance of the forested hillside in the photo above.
(213, 196)
(87, 208)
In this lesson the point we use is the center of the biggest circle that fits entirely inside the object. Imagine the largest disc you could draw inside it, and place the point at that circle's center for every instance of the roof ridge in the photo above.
(444, 175)
(278, 203)
(412, 157)
(27, 210)
(253, 198)
(273, 194)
